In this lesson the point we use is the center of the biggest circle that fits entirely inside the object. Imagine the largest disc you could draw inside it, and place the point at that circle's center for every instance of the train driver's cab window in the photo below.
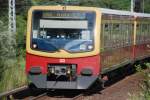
(72, 31)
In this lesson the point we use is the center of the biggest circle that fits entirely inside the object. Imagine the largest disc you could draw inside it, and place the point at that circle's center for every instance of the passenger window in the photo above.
(138, 33)
(107, 33)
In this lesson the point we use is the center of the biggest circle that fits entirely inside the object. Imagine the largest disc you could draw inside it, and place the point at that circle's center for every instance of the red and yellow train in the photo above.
(70, 47)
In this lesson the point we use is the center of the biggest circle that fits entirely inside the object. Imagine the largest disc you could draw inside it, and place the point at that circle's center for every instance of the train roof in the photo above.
(116, 12)
(121, 12)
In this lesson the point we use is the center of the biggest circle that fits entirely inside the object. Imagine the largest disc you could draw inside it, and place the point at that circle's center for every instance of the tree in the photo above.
(112, 4)
(147, 6)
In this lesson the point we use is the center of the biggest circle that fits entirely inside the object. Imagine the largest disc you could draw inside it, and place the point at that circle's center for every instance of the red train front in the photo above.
(61, 47)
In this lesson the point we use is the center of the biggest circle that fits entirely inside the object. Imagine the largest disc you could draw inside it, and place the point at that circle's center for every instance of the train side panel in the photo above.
(142, 45)
(116, 41)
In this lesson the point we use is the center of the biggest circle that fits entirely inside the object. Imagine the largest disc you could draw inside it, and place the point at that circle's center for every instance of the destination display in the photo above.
(70, 15)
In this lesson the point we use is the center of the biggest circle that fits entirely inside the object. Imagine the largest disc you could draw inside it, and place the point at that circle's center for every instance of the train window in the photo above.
(148, 34)
(110, 35)
(145, 31)
(138, 33)
(116, 35)
(116, 27)
(131, 33)
(102, 35)
(124, 29)
(106, 26)
(127, 34)
(142, 33)
(124, 34)
(146, 25)
(121, 34)
(72, 31)
(106, 34)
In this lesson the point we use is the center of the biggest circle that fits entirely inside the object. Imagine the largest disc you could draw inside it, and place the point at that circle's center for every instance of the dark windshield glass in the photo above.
(67, 30)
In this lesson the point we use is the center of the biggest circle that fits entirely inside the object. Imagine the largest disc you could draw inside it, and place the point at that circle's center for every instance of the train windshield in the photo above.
(72, 31)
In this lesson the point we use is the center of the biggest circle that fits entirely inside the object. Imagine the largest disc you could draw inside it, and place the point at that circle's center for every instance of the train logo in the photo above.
(62, 60)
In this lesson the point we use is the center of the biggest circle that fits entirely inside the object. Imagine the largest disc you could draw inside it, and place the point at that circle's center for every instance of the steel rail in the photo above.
(77, 97)
(8, 93)
(39, 96)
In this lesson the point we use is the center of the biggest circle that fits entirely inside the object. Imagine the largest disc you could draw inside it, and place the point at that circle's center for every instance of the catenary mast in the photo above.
(12, 16)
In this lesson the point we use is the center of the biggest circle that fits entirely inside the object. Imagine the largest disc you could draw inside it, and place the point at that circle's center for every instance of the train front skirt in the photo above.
(81, 82)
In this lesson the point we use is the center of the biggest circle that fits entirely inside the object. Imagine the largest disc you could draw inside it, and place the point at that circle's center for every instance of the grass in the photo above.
(14, 76)
(134, 97)
(12, 63)
(145, 86)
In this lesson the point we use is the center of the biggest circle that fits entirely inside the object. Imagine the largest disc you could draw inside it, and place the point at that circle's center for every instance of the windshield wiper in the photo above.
(56, 48)
(48, 46)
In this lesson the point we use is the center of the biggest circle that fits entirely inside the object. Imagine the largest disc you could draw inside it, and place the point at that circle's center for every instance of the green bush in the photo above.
(145, 85)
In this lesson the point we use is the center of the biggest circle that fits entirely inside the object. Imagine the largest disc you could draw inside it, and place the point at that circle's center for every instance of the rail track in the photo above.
(9, 94)
(114, 88)
(38, 97)
(78, 97)
(21, 93)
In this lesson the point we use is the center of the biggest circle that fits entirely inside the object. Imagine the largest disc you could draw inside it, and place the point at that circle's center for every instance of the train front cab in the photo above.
(63, 56)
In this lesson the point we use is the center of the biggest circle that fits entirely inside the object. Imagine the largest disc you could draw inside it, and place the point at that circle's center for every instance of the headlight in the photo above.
(90, 47)
(68, 70)
(34, 46)
(52, 70)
